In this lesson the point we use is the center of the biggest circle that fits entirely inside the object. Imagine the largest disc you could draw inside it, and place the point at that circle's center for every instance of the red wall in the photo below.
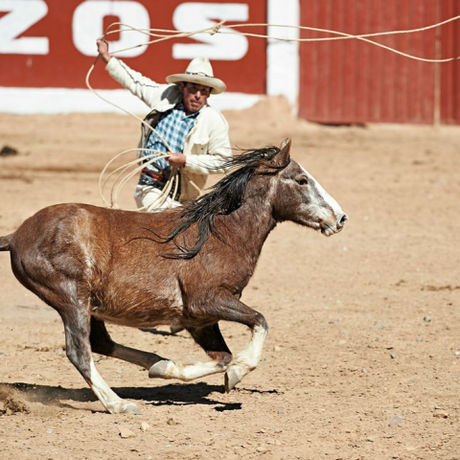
(351, 81)
(66, 67)
(449, 73)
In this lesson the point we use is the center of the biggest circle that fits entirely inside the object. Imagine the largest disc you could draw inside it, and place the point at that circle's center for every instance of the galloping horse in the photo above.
(185, 267)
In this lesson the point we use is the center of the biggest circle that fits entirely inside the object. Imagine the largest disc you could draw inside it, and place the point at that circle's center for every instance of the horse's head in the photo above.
(301, 199)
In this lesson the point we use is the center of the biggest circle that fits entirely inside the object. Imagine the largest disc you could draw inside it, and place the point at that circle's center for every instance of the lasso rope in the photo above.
(164, 34)
(121, 180)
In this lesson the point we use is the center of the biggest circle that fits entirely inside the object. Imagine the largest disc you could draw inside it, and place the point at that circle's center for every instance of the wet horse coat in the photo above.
(185, 267)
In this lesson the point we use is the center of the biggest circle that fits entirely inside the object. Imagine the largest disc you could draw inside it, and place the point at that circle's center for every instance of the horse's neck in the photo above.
(250, 226)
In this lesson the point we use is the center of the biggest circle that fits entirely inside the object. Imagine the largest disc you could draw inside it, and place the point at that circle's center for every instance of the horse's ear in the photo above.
(285, 148)
(275, 158)
(282, 159)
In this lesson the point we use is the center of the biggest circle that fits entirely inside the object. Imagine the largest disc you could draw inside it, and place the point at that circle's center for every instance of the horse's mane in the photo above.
(224, 198)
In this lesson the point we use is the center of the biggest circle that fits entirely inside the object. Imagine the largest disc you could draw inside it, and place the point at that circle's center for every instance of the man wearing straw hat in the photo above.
(181, 125)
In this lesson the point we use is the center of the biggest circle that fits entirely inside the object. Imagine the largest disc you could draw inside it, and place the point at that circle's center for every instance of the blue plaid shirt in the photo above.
(174, 127)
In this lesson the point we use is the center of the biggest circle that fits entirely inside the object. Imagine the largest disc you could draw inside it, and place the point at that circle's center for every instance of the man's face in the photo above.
(195, 96)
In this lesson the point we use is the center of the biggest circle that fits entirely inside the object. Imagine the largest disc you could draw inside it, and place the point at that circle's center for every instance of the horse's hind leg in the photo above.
(211, 340)
(78, 349)
(102, 343)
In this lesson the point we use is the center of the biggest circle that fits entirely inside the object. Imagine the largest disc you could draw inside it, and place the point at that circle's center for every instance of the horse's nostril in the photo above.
(343, 220)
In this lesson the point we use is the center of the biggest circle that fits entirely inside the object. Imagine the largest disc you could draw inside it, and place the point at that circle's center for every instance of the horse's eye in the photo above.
(302, 181)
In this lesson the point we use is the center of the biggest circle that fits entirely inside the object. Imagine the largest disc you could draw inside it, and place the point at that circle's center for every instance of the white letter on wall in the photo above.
(192, 16)
(88, 21)
(22, 15)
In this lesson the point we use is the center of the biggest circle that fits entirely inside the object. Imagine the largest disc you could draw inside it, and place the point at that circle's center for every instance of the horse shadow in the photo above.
(167, 395)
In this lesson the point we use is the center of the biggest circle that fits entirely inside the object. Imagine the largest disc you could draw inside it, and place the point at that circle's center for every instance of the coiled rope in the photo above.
(124, 173)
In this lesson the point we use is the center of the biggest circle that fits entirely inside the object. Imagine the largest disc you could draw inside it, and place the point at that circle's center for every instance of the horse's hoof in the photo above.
(131, 408)
(160, 370)
(125, 408)
(233, 375)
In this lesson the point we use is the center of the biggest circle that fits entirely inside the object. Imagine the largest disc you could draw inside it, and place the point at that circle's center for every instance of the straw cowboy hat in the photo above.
(199, 71)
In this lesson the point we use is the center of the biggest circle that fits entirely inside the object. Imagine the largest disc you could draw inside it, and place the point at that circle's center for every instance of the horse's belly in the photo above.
(146, 322)
(139, 310)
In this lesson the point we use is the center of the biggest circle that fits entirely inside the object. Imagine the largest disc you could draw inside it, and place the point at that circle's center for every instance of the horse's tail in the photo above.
(5, 242)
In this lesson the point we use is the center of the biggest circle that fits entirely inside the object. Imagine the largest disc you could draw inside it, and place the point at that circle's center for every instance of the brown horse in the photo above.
(185, 268)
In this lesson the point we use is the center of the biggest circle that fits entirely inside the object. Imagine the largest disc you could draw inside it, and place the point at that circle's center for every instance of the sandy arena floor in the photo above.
(363, 356)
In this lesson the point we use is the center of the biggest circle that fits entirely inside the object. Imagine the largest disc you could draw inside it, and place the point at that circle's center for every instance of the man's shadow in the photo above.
(168, 395)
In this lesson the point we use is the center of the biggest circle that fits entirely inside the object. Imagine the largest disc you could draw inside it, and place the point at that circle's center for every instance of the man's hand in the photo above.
(177, 160)
(103, 49)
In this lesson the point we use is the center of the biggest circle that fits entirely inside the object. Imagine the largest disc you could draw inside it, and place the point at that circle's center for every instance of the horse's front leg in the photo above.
(227, 308)
(212, 342)
(232, 309)
(247, 359)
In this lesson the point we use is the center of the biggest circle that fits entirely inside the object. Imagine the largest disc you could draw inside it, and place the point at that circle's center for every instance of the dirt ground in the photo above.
(363, 356)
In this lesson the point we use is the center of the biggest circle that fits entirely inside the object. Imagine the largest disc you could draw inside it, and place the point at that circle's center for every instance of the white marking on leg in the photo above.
(109, 399)
(250, 355)
(171, 370)
(247, 360)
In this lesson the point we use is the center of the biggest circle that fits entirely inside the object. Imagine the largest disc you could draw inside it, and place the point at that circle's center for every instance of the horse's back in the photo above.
(58, 226)
(71, 238)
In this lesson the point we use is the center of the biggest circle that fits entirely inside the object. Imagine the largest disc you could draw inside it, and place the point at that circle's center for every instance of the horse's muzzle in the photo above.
(328, 229)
